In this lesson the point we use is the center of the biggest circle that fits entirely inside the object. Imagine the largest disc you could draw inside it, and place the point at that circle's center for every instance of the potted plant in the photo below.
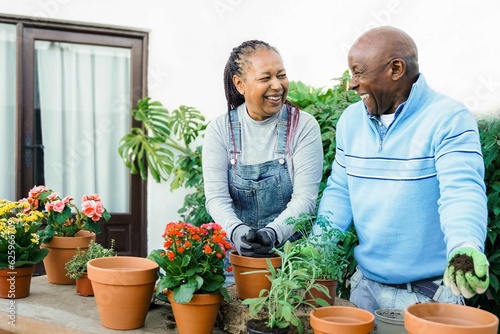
(19, 247)
(276, 309)
(325, 250)
(193, 263)
(76, 267)
(67, 229)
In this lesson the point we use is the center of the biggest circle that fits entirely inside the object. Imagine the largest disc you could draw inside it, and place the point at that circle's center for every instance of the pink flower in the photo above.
(37, 190)
(67, 199)
(58, 206)
(93, 209)
(53, 196)
(92, 197)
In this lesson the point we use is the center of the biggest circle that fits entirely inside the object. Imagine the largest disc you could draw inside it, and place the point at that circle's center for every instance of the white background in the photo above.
(190, 41)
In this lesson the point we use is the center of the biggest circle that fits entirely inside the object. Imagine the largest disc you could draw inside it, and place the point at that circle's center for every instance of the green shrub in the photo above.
(489, 132)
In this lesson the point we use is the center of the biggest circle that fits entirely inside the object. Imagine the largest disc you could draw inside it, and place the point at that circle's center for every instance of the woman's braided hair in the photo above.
(235, 65)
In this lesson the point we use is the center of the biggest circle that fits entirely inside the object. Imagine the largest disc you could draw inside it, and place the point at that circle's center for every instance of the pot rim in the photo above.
(366, 318)
(110, 270)
(418, 312)
(253, 262)
(80, 240)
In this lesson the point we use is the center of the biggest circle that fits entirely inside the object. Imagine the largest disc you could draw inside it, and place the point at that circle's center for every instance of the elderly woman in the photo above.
(262, 161)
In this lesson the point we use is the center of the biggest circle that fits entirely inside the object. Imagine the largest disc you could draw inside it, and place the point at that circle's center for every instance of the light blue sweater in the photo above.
(414, 194)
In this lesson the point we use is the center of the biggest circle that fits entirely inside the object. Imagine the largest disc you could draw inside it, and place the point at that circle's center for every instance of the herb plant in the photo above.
(290, 289)
(77, 265)
(325, 250)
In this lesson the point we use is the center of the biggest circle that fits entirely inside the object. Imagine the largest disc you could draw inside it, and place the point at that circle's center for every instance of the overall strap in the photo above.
(281, 133)
(234, 135)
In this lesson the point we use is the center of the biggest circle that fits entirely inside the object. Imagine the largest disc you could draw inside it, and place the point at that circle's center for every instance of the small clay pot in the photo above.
(441, 318)
(331, 285)
(341, 319)
(123, 288)
(84, 286)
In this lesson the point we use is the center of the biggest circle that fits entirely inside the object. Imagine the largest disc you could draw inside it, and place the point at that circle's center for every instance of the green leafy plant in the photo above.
(327, 105)
(19, 241)
(77, 265)
(162, 145)
(192, 260)
(489, 132)
(290, 289)
(326, 250)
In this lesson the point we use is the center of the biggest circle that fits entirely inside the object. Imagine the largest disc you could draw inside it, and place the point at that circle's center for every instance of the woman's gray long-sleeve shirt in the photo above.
(304, 163)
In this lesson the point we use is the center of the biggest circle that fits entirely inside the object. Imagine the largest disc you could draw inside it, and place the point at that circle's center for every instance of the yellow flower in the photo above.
(35, 238)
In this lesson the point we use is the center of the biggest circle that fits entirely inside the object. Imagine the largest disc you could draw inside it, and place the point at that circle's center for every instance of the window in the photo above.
(67, 91)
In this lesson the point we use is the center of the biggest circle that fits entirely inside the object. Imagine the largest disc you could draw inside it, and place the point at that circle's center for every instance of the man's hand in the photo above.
(470, 282)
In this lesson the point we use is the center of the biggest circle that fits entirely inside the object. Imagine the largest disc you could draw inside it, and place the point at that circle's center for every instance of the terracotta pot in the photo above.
(84, 286)
(341, 319)
(259, 326)
(199, 315)
(250, 285)
(61, 250)
(15, 283)
(390, 321)
(123, 289)
(331, 285)
(440, 318)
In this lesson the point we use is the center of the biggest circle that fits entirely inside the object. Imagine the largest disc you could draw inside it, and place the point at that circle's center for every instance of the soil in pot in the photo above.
(390, 321)
(440, 318)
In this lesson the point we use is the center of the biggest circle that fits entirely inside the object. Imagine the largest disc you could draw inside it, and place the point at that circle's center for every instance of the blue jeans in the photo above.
(371, 296)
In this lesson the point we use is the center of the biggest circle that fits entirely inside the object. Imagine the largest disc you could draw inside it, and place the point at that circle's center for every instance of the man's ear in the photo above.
(398, 68)
(238, 83)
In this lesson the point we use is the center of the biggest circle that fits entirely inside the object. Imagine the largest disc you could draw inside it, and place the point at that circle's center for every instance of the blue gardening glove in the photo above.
(470, 282)
(243, 245)
(266, 238)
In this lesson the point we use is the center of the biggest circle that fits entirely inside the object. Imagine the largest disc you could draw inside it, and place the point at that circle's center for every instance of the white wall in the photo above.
(190, 41)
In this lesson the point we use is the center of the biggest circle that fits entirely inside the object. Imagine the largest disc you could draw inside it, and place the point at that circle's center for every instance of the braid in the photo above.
(236, 66)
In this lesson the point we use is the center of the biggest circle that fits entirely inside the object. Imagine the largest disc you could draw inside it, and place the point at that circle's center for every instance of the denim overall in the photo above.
(259, 192)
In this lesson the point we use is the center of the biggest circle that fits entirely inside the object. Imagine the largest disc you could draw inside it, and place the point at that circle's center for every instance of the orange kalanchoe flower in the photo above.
(192, 259)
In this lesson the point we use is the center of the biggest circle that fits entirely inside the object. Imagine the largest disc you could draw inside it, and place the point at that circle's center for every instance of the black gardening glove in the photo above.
(242, 238)
(266, 238)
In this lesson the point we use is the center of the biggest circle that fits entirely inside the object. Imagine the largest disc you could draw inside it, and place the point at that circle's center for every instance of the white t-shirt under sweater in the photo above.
(258, 143)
